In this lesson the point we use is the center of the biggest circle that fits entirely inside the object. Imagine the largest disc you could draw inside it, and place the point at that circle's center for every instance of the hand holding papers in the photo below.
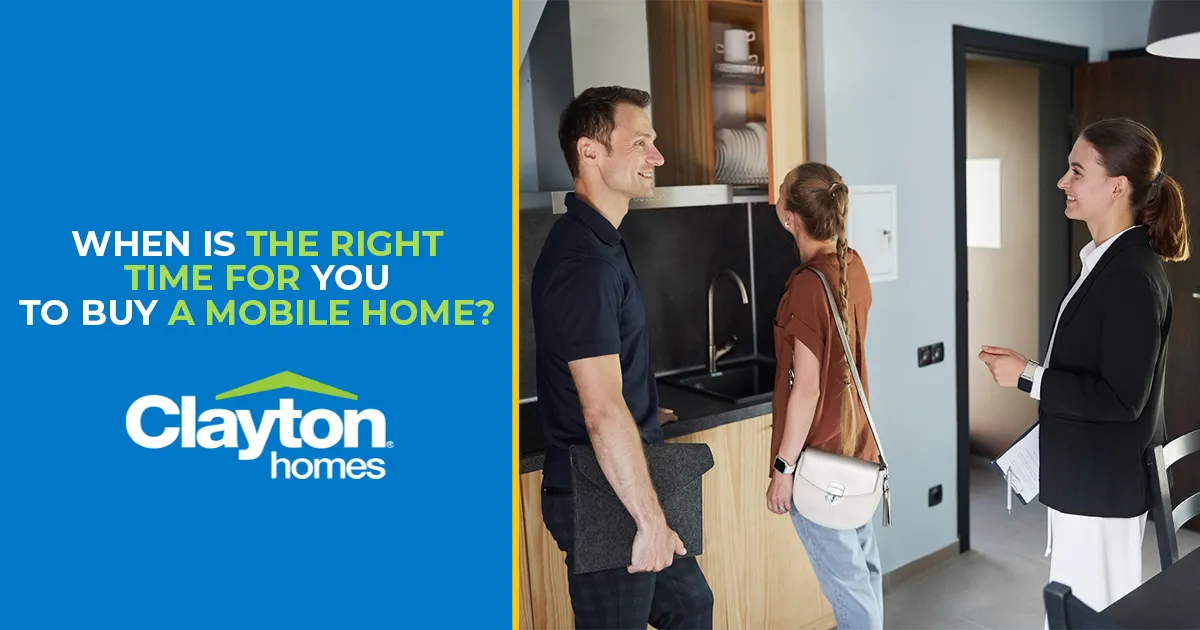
(1020, 466)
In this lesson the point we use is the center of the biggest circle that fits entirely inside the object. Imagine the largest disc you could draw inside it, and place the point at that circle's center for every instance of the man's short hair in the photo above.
(592, 115)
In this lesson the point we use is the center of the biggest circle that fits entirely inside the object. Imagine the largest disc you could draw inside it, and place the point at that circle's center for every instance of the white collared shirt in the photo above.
(1090, 255)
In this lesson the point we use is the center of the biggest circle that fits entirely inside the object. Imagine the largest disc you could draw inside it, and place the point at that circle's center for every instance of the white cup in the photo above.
(736, 48)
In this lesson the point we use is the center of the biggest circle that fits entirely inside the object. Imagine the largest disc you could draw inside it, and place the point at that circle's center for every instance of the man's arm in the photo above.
(587, 302)
(615, 437)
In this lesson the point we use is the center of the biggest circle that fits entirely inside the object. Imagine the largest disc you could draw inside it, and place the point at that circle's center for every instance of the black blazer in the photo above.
(1102, 393)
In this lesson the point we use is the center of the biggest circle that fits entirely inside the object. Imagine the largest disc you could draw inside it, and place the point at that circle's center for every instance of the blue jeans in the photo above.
(846, 562)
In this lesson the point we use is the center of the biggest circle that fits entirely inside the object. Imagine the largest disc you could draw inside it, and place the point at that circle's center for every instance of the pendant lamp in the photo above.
(1174, 29)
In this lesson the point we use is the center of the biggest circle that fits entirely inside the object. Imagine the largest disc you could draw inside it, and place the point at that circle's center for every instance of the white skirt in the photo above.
(1100, 559)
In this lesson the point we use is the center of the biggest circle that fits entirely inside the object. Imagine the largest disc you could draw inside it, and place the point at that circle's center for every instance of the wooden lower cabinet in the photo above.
(754, 561)
(549, 600)
(525, 589)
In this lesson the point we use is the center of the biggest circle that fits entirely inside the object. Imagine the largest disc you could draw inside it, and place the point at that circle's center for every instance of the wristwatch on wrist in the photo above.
(1025, 382)
(782, 466)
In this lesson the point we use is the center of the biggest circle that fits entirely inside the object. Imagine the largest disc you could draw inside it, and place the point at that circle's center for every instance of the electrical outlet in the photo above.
(935, 495)
(924, 356)
(928, 355)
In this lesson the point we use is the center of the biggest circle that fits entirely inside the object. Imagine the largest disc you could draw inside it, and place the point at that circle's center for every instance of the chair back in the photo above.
(1064, 611)
(1167, 518)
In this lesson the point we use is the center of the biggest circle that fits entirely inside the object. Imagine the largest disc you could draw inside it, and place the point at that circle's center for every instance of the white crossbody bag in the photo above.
(837, 491)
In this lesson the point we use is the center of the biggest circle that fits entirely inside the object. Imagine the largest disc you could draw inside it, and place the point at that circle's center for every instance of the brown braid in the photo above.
(818, 197)
(849, 428)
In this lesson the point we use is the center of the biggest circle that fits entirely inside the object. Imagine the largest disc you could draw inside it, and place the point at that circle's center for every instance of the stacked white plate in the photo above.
(740, 69)
(741, 154)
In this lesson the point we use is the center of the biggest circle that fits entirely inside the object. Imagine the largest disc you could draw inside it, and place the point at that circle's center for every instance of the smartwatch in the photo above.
(1025, 382)
(782, 466)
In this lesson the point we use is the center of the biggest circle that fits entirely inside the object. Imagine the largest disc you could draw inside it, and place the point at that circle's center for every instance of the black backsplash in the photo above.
(676, 253)
(775, 256)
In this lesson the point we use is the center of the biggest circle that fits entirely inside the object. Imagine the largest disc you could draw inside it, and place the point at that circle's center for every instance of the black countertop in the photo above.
(696, 411)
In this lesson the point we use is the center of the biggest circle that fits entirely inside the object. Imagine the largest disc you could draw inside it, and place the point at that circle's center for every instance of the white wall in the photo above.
(888, 118)
(1124, 23)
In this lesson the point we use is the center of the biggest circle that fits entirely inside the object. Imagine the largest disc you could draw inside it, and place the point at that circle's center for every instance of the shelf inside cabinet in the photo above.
(712, 113)
(738, 93)
(747, 16)
(751, 79)
(737, 12)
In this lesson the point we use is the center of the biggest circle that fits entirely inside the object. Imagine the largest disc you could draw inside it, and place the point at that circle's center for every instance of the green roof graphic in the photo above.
(283, 380)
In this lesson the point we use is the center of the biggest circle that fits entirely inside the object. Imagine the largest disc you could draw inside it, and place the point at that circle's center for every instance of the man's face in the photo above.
(629, 167)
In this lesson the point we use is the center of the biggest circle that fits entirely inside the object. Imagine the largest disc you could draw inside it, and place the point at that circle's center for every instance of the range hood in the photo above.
(571, 49)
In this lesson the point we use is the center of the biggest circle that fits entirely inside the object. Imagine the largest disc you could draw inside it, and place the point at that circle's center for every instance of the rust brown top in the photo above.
(804, 314)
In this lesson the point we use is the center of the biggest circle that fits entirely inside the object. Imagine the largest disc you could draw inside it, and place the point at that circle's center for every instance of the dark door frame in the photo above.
(1054, 133)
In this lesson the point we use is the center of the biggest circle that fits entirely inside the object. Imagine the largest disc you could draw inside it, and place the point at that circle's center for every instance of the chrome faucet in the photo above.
(714, 354)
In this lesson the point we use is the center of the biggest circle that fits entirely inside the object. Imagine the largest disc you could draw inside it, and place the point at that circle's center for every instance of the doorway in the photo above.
(1003, 261)
(997, 57)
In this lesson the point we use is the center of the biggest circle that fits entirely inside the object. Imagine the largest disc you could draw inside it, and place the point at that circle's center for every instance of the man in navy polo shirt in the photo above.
(595, 377)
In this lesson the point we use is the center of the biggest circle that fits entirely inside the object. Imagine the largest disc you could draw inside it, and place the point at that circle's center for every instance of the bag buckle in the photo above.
(834, 493)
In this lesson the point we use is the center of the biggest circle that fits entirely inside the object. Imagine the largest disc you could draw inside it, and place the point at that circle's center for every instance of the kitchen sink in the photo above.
(738, 381)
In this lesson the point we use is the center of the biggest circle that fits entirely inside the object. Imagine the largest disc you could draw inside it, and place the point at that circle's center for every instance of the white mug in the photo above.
(737, 45)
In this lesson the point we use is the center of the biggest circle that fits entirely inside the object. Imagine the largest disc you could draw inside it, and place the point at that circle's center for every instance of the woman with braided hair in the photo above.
(816, 404)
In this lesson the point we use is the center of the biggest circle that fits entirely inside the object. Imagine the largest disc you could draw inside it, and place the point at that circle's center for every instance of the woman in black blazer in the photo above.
(1100, 389)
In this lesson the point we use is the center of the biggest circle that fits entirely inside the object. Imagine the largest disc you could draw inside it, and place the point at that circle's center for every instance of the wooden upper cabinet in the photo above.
(728, 112)
(786, 95)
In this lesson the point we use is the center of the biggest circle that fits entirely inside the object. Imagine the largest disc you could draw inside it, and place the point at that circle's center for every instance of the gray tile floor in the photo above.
(998, 584)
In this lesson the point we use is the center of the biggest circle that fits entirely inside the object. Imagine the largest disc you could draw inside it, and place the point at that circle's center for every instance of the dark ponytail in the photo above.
(1129, 149)
(1163, 213)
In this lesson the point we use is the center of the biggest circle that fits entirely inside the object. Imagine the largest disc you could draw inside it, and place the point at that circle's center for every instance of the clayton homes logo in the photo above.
(296, 428)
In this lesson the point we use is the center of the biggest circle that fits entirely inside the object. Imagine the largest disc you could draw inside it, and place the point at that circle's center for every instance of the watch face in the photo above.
(779, 465)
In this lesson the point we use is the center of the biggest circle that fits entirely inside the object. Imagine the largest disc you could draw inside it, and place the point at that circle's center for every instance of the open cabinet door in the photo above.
(1164, 95)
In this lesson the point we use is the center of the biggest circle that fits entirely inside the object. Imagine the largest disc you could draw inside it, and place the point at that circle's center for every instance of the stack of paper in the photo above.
(1020, 466)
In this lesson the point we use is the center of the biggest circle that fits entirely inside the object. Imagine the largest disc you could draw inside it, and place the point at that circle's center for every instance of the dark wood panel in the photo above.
(1162, 94)
(680, 89)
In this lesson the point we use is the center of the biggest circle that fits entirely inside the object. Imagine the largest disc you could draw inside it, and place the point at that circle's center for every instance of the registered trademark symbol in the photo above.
(389, 444)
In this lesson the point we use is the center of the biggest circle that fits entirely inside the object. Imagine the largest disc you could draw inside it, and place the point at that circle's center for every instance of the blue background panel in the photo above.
(254, 116)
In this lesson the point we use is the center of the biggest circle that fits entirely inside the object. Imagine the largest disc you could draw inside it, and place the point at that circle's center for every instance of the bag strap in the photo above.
(862, 396)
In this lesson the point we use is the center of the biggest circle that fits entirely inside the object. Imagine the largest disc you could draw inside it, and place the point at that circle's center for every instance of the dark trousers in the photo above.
(676, 597)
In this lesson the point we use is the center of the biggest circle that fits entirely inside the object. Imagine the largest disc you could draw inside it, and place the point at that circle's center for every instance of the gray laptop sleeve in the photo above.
(604, 529)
